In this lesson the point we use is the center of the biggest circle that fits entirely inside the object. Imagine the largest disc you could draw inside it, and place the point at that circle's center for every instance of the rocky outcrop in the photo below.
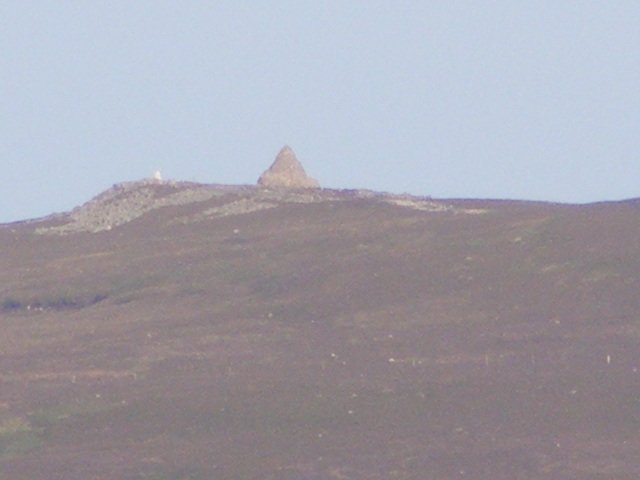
(128, 201)
(287, 172)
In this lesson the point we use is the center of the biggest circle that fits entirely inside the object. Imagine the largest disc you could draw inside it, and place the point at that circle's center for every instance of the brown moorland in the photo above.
(174, 331)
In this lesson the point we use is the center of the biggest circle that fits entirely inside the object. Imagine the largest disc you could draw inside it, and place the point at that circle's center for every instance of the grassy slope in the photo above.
(349, 340)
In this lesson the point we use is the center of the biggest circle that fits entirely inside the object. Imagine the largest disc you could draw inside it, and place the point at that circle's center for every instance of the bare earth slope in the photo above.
(179, 331)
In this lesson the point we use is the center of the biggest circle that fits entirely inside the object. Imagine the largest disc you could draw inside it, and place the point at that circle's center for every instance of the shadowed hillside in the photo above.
(174, 331)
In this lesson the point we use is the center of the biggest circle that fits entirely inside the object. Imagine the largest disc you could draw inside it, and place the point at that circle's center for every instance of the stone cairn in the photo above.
(287, 172)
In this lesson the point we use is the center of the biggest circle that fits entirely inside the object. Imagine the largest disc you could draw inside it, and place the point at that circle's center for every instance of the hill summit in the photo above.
(287, 172)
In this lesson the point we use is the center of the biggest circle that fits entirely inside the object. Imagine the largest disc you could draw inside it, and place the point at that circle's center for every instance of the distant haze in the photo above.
(503, 99)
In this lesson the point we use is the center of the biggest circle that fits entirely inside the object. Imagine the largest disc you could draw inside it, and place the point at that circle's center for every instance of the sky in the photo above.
(530, 99)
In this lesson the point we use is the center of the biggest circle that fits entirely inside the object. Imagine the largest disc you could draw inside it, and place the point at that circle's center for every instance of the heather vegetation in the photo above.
(330, 335)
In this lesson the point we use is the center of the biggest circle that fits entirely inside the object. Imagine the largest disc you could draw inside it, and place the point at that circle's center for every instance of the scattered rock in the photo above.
(126, 202)
(238, 207)
(287, 172)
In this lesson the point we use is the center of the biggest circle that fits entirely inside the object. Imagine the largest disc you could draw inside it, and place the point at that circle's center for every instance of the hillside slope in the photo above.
(174, 331)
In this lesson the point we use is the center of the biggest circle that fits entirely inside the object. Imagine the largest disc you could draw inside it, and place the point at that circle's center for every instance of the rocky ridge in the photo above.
(126, 202)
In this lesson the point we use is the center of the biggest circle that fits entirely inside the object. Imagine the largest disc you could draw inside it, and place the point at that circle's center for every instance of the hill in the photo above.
(174, 331)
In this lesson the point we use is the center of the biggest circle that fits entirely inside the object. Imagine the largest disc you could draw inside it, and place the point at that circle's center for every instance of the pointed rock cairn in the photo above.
(287, 172)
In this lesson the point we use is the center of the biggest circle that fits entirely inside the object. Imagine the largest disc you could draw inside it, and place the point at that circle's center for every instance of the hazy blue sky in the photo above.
(503, 99)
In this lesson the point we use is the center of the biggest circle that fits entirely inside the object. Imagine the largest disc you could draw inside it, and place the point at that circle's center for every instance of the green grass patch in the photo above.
(17, 437)
(47, 417)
